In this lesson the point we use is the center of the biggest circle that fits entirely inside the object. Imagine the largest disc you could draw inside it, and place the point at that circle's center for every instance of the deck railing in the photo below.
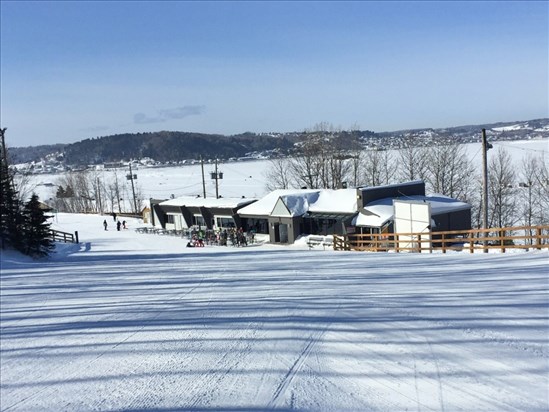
(59, 236)
(516, 237)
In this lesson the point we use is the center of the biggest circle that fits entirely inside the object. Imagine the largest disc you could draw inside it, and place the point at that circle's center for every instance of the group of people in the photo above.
(118, 224)
(221, 238)
(195, 241)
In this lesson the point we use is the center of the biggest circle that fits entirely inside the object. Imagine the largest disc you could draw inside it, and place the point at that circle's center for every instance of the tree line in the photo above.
(87, 192)
(24, 226)
(169, 146)
(517, 195)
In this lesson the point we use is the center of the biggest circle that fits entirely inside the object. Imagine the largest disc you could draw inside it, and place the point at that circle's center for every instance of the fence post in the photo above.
(502, 240)
(76, 236)
(443, 240)
(471, 242)
(538, 238)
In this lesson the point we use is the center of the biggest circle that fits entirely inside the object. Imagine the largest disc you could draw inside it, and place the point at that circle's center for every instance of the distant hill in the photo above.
(171, 146)
(166, 146)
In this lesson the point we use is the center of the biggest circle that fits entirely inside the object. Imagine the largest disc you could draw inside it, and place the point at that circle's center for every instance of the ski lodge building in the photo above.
(286, 214)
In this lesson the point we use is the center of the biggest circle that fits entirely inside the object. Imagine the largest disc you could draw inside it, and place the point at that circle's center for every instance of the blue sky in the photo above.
(76, 70)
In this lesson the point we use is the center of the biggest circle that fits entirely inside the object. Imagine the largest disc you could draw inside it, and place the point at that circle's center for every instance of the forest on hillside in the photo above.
(176, 146)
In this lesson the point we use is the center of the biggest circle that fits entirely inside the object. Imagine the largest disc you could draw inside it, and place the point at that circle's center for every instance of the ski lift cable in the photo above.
(544, 152)
(240, 173)
(175, 188)
(476, 154)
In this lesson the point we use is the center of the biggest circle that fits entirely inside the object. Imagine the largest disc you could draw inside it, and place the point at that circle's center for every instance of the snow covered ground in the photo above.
(128, 321)
(243, 178)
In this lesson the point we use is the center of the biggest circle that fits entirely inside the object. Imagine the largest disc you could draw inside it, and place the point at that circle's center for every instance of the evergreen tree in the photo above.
(36, 230)
(10, 208)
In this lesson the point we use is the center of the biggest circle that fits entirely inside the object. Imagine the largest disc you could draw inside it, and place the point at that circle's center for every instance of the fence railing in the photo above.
(66, 237)
(516, 237)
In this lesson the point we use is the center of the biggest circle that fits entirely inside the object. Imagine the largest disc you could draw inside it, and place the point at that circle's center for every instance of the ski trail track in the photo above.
(79, 367)
(428, 368)
(277, 400)
(255, 338)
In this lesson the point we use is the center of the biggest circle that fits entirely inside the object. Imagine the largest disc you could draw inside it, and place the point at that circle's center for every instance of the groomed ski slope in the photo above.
(138, 322)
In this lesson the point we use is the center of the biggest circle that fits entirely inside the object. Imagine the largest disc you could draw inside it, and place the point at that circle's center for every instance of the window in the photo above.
(257, 225)
(171, 219)
(198, 220)
(225, 222)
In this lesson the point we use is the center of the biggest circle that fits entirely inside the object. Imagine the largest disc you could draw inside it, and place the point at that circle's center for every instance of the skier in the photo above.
(118, 224)
(105, 224)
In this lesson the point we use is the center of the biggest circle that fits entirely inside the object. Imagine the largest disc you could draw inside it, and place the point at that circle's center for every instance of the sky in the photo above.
(76, 70)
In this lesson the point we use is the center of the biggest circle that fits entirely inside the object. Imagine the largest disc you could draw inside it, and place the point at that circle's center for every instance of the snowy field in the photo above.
(138, 322)
(245, 178)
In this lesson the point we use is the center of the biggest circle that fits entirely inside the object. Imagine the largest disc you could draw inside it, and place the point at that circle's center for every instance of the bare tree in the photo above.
(139, 198)
(24, 186)
(100, 191)
(339, 167)
(541, 190)
(526, 198)
(412, 160)
(114, 193)
(75, 193)
(278, 174)
(475, 200)
(378, 167)
(304, 167)
(450, 171)
(501, 180)
(355, 166)
(322, 161)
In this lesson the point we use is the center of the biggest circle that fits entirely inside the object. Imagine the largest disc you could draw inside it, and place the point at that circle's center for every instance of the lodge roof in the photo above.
(221, 203)
(379, 212)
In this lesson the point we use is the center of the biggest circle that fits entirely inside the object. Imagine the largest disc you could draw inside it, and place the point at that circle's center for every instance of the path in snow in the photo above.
(139, 322)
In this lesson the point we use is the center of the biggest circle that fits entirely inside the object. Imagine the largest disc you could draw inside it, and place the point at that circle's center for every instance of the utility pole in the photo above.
(98, 197)
(203, 180)
(4, 156)
(5, 168)
(216, 181)
(485, 147)
(216, 176)
(132, 177)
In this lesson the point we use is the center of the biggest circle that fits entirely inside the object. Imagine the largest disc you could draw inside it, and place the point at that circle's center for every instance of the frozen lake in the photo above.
(241, 178)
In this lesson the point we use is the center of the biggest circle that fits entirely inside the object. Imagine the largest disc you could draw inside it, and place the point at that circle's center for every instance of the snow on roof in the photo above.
(300, 201)
(375, 215)
(335, 201)
(379, 212)
(191, 201)
(265, 205)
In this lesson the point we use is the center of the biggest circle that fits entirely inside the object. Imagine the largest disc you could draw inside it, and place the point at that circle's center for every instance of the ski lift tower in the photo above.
(132, 177)
(216, 175)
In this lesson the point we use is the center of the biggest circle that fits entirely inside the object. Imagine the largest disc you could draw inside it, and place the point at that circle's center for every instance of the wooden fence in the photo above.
(517, 237)
(59, 236)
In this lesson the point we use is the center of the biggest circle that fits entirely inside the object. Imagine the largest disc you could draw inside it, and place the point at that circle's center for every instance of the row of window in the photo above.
(198, 220)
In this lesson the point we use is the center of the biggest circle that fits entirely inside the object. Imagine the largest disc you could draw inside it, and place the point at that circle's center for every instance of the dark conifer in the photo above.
(10, 210)
(36, 229)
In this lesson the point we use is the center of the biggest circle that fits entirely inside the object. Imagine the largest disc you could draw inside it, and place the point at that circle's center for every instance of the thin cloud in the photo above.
(169, 114)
